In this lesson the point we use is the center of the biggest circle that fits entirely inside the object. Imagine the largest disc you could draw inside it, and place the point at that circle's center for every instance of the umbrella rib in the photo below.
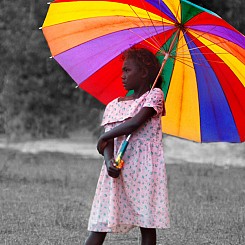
(183, 55)
(191, 63)
(175, 58)
(183, 60)
(180, 39)
(186, 29)
(176, 19)
(199, 35)
(191, 40)
(190, 60)
(184, 52)
(199, 47)
(156, 41)
(203, 46)
(154, 46)
(151, 22)
(163, 26)
(184, 32)
(215, 61)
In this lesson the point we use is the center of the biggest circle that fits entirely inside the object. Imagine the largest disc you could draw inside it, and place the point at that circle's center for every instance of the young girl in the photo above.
(136, 195)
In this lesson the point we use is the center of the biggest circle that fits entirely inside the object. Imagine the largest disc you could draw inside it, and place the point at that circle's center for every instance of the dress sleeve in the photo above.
(155, 99)
(116, 112)
(107, 114)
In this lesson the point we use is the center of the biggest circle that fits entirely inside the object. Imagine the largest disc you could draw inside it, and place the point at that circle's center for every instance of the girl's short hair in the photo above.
(145, 59)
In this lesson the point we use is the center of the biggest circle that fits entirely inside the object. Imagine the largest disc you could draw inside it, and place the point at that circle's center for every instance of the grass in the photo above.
(46, 199)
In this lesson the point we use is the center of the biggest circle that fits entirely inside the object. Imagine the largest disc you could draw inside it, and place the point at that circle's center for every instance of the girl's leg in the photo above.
(148, 236)
(95, 238)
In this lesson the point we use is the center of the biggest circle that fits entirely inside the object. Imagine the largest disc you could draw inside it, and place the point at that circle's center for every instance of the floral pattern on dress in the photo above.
(139, 196)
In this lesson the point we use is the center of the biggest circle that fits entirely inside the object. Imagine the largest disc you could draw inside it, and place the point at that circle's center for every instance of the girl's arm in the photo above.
(109, 159)
(127, 127)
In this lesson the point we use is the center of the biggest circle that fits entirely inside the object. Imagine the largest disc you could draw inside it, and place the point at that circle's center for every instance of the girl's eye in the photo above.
(125, 69)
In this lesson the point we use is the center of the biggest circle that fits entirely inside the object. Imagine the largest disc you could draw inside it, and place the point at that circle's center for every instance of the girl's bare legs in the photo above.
(95, 238)
(148, 236)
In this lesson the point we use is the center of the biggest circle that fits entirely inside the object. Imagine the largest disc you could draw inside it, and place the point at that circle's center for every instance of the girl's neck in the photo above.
(139, 92)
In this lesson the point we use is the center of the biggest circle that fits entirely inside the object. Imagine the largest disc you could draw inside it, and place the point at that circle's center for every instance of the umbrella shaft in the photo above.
(122, 149)
(167, 54)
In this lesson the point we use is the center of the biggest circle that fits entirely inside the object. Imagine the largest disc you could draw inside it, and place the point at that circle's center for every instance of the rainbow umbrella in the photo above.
(202, 59)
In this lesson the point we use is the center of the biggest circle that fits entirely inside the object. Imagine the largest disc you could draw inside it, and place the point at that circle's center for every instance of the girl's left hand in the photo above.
(111, 169)
(102, 143)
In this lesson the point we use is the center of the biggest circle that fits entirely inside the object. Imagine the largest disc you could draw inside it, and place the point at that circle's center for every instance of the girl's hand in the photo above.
(111, 169)
(101, 145)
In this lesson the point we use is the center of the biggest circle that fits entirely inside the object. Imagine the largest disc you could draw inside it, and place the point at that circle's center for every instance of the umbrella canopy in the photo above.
(203, 57)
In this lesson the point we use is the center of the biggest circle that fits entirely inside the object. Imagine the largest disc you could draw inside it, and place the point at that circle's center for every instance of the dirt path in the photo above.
(176, 150)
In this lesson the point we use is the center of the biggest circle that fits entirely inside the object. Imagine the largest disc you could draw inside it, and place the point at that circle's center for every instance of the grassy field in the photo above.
(46, 199)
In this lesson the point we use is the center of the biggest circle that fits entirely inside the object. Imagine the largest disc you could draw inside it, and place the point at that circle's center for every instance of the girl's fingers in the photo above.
(114, 175)
(113, 172)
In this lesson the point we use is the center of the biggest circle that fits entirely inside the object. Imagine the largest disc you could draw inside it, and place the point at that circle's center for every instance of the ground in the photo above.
(46, 196)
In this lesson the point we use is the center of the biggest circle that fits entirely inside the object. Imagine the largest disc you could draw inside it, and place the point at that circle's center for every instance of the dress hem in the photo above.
(112, 229)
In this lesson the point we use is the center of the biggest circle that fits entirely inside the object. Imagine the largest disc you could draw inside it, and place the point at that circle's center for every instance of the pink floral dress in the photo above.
(138, 197)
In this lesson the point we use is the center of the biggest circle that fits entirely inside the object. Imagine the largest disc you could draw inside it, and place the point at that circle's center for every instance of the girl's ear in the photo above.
(144, 73)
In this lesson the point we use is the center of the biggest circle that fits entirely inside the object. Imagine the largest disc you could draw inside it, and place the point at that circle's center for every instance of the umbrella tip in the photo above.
(40, 28)
(48, 2)
(51, 57)
(76, 86)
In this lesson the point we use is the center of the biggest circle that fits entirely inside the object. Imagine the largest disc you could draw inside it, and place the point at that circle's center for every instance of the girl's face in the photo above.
(131, 75)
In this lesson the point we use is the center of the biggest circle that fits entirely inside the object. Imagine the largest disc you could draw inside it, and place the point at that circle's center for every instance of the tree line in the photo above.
(37, 98)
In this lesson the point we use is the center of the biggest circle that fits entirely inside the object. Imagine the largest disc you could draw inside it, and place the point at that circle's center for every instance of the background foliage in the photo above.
(37, 98)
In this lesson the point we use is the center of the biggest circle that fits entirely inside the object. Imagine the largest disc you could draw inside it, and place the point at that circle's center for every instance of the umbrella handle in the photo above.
(119, 162)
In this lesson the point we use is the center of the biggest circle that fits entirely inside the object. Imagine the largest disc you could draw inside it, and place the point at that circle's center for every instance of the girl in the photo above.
(136, 195)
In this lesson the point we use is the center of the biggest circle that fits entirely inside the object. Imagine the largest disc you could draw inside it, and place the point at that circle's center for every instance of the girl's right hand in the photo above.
(111, 169)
